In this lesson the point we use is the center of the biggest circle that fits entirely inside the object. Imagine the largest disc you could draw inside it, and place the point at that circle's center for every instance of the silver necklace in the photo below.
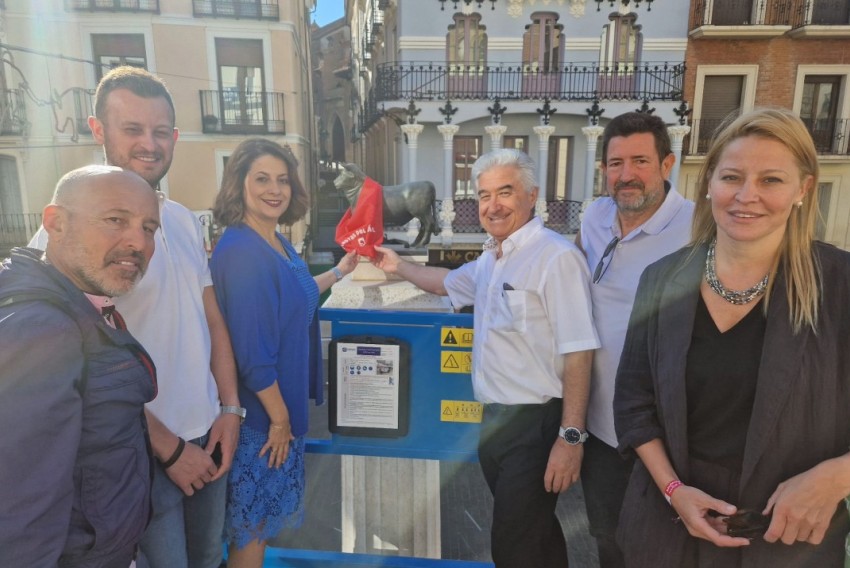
(739, 298)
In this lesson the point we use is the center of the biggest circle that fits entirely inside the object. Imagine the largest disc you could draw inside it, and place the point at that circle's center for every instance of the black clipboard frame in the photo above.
(403, 388)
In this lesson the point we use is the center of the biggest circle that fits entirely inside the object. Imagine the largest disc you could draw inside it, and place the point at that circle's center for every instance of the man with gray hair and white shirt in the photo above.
(531, 355)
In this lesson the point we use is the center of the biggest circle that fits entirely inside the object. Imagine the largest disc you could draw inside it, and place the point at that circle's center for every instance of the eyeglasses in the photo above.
(601, 268)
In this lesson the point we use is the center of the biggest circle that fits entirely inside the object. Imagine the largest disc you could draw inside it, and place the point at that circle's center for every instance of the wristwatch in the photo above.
(237, 410)
(337, 273)
(572, 435)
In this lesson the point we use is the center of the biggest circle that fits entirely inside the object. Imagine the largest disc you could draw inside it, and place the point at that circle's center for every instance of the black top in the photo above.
(721, 377)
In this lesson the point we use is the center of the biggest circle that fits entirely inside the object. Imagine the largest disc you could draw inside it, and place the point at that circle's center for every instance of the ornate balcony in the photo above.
(821, 19)
(740, 18)
(232, 112)
(113, 5)
(237, 9)
(12, 112)
(429, 81)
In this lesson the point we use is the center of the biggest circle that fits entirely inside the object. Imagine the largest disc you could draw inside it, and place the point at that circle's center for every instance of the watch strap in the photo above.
(237, 410)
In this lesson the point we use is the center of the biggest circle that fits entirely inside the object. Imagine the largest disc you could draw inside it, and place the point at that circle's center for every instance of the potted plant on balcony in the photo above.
(210, 122)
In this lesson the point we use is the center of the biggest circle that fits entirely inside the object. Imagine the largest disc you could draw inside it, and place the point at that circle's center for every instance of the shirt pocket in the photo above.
(511, 312)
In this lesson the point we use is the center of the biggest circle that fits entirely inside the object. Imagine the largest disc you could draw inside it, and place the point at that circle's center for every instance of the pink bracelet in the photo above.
(671, 487)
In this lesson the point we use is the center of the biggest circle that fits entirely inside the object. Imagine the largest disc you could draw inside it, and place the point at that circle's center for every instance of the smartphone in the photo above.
(216, 455)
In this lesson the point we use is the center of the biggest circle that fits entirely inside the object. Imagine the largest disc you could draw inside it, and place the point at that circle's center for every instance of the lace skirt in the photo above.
(262, 500)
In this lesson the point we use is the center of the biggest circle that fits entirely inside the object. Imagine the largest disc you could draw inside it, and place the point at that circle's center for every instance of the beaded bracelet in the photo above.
(181, 444)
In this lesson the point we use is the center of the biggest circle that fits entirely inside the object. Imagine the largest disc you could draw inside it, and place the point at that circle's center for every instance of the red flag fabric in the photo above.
(364, 228)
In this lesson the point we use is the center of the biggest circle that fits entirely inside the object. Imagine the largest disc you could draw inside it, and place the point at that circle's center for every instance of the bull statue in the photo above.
(401, 202)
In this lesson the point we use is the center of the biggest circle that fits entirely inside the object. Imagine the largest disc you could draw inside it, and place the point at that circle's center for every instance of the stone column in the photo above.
(543, 134)
(412, 132)
(447, 205)
(677, 135)
(592, 133)
(496, 131)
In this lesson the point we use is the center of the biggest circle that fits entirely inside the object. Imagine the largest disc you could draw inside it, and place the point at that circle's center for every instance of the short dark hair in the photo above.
(138, 81)
(229, 208)
(630, 123)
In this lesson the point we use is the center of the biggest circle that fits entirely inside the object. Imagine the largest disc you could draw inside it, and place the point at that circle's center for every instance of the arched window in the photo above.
(621, 40)
(542, 55)
(466, 55)
(619, 57)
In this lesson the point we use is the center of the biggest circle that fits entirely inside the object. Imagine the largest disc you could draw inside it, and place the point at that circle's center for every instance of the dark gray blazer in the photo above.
(801, 414)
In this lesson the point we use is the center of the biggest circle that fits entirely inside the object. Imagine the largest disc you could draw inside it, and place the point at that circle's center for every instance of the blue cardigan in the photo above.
(266, 310)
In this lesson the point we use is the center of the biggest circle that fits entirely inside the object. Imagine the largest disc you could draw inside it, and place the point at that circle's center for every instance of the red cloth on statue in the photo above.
(362, 229)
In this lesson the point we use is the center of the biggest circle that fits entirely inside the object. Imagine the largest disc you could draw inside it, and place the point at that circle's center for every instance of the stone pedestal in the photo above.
(390, 506)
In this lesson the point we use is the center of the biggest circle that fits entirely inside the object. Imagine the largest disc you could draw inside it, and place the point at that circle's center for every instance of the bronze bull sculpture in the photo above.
(416, 199)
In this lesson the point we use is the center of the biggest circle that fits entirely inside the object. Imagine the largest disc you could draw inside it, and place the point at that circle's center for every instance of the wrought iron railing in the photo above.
(821, 13)
(830, 136)
(699, 139)
(652, 81)
(247, 9)
(233, 112)
(114, 5)
(576, 81)
(563, 216)
(741, 13)
(12, 112)
(16, 229)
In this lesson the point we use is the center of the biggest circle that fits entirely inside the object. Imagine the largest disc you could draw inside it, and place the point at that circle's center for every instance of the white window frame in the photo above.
(88, 30)
(843, 110)
(212, 61)
(748, 98)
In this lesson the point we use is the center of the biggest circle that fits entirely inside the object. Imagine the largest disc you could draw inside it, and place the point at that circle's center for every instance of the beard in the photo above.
(102, 280)
(153, 175)
(635, 203)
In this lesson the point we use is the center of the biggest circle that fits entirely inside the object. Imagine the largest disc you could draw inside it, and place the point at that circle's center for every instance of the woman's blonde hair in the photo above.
(795, 256)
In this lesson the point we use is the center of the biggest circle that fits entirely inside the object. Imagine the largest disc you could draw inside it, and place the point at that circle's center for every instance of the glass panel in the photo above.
(242, 91)
(466, 150)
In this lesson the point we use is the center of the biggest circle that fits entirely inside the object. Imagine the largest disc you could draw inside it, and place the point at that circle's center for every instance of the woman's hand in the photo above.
(277, 445)
(804, 505)
(348, 263)
(693, 507)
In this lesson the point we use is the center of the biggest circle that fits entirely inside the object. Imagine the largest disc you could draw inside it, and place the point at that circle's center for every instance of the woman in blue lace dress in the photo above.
(269, 301)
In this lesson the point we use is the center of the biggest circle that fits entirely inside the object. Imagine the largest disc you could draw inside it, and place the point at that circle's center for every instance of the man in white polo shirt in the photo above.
(531, 356)
(641, 220)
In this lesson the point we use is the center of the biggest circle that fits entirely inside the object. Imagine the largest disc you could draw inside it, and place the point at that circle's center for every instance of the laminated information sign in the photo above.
(369, 386)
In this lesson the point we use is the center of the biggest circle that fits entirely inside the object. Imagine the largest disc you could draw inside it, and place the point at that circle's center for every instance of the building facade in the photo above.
(438, 83)
(788, 53)
(235, 68)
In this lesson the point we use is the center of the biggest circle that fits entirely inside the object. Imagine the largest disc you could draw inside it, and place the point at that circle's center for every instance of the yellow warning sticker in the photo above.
(460, 411)
(456, 362)
(456, 337)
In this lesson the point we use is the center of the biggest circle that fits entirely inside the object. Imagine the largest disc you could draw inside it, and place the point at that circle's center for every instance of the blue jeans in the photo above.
(185, 532)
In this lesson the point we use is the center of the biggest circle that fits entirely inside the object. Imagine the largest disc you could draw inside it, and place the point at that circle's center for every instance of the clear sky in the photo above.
(328, 10)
